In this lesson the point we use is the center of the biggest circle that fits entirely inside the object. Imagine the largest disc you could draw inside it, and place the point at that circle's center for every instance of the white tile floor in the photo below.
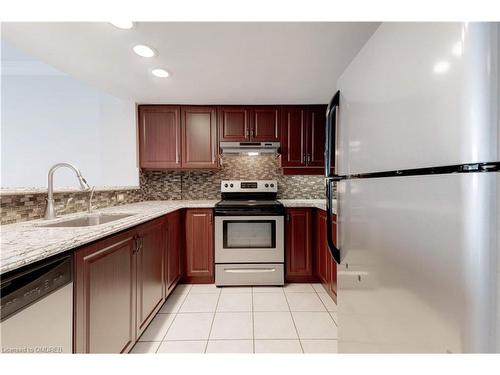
(201, 318)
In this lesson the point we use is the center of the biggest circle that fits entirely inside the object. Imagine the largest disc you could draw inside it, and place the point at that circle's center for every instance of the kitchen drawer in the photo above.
(249, 274)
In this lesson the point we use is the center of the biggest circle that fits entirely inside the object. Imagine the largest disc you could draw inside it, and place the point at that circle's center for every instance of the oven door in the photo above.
(249, 239)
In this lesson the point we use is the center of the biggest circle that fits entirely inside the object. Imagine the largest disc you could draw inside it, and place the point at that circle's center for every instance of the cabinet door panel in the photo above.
(293, 137)
(299, 256)
(159, 137)
(199, 137)
(234, 124)
(199, 246)
(149, 272)
(105, 285)
(173, 250)
(333, 265)
(265, 124)
(322, 254)
(316, 136)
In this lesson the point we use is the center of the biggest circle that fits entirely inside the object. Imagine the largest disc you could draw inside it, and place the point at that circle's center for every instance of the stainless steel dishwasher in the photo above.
(37, 308)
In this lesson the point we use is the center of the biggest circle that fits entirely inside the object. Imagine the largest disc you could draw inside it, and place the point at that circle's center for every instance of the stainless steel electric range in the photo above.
(249, 234)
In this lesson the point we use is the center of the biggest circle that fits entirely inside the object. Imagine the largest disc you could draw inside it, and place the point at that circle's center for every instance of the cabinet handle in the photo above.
(137, 245)
(249, 270)
(251, 133)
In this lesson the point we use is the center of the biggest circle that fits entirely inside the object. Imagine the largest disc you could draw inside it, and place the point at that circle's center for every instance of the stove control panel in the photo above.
(237, 186)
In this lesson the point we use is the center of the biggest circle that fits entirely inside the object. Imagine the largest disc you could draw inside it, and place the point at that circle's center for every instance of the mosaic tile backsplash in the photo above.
(23, 207)
(165, 185)
(206, 184)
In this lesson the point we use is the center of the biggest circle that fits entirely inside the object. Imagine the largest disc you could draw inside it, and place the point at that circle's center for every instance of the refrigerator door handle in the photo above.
(334, 250)
(330, 130)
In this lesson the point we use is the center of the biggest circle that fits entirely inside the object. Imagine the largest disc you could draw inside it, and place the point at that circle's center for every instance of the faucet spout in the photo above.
(50, 211)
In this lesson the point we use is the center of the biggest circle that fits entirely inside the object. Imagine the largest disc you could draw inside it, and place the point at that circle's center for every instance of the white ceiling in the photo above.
(210, 63)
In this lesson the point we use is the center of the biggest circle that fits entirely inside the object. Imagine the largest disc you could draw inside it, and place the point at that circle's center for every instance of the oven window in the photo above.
(240, 234)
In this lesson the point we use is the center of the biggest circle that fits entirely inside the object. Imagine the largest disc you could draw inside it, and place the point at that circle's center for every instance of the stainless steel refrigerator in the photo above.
(414, 135)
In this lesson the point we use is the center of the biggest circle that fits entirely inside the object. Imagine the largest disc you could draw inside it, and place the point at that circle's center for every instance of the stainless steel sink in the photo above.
(87, 220)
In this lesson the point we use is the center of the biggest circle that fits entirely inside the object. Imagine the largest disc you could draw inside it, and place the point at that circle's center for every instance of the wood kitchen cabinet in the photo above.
(303, 139)
(119, 287)
(199, 243)
(105, 295)
(178, 137)
(293, 137)
(332, 281)
(299, 245)
(249, 123)
(265, 124)
(234, 123)
(199, 137)
(326, 267)
(160, 137)
(322, 259)
(150, 266)
(173, 246)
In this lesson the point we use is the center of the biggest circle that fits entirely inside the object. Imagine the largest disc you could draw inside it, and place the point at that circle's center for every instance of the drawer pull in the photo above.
(249, 270)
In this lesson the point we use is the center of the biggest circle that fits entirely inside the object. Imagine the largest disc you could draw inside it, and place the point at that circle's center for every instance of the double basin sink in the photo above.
(87, 220)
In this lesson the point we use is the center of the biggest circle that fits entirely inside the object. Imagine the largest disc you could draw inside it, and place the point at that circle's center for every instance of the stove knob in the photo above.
(225, 185)
(231, 185)
(272, 185)
(267, 185)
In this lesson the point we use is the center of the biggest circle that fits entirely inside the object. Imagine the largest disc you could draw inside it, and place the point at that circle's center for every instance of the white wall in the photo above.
(50, 117)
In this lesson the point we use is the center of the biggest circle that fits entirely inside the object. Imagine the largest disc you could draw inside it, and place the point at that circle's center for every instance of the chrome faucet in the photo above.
(50, 212)
(90, 199)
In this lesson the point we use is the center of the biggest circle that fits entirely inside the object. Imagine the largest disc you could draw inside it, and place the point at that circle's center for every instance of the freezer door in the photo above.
(420, 95)
(419, 263)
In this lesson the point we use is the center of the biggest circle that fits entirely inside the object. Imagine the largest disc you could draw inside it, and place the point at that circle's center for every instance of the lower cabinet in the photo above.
(150, 258)
(333, 265)
(299, 245)
(121, 282)
(199, 254)
(173, 246)
(322, 261)
(105, 295)
(326, 267)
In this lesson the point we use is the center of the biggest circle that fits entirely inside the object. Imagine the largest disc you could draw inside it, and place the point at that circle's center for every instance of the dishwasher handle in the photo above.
(34, 283)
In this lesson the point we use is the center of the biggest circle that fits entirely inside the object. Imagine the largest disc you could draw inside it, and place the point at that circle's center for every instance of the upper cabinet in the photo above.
(265, 124)
(303, 139)
(234, 124)
(315, 145)
(293, 137)
(249, 123)
(160, 137)
(187, 137)
(199, 137)
(175, 137)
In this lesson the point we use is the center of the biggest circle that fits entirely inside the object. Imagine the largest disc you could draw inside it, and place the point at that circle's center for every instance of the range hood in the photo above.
(249, 148)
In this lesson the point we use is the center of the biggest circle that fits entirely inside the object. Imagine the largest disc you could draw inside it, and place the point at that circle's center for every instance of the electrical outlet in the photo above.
(120, 197)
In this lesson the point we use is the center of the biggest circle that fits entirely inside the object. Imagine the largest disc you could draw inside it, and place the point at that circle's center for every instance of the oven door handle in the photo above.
(249, 270)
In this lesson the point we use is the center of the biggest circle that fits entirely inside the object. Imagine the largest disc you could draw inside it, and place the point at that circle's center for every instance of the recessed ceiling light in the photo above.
(144, 51)
(124, 25)
(158, 72)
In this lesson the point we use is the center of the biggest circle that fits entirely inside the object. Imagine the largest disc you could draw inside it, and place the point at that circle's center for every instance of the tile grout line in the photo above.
(326, 307)
(253, 325)
(293, 320)
(173, 320)
(212, 324)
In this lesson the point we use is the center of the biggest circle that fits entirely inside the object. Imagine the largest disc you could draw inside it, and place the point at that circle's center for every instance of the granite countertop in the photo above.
(27, 242)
